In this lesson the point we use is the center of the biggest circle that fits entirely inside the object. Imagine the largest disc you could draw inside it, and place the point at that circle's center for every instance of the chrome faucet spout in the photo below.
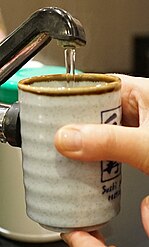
(24, 43)
(34, 34)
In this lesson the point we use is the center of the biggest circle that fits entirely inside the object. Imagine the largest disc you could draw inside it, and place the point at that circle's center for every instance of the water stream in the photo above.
(70, 55)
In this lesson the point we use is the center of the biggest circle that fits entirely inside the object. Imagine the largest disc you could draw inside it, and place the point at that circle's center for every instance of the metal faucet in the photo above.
(24, 43)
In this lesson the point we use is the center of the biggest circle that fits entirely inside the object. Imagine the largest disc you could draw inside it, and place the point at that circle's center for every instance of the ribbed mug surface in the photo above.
(63, 194)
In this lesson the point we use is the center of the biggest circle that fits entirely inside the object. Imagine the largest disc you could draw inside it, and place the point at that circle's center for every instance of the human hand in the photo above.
(83, 142)
(84, 239)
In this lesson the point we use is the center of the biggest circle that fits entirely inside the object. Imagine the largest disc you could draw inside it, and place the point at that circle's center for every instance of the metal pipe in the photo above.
(34, 34)
(24, 43)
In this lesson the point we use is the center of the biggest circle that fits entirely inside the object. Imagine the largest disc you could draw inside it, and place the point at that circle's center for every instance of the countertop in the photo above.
(4, 242)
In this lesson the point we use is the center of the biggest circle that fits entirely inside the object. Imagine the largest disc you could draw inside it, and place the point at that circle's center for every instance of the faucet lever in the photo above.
(35, 33)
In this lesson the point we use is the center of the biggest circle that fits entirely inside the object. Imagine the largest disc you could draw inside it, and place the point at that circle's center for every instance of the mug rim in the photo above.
(112, 83)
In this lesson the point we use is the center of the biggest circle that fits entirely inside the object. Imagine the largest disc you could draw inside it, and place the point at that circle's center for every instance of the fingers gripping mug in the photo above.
(63, 194)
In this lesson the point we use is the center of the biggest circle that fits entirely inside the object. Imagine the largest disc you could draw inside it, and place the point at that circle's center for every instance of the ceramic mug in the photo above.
(63, 194)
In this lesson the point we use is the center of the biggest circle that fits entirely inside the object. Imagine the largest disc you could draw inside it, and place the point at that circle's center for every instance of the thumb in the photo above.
(145, 214)
(83, 239)
(93, 142)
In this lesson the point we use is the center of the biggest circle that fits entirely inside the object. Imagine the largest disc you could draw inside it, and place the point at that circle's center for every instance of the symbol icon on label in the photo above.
(111, 116)
(110, 170)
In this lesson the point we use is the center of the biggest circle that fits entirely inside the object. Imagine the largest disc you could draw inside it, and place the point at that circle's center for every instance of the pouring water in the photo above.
(70, 54)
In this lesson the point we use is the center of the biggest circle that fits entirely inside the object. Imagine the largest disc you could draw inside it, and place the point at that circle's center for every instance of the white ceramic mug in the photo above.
(63, 194)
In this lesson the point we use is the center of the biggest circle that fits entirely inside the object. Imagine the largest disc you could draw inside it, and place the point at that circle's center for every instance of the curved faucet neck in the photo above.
(35, 33)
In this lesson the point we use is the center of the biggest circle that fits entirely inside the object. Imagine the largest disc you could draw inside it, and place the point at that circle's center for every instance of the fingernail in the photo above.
(69, 139)
(62, 235)
(147, 202)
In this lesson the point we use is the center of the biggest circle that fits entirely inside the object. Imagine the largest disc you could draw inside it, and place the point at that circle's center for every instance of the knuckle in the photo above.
(109, 140)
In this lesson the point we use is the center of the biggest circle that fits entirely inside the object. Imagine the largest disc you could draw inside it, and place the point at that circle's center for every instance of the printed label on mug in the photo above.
(110, 170)
(111, 116)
